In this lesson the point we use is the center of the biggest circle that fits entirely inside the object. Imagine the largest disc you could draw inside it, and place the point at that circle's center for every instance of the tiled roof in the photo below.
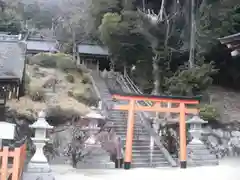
(229, 39)
(12, 57)
(45, 46)
(92, 49)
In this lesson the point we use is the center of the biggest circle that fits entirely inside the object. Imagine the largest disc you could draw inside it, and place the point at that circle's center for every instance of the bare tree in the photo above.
(165, 20)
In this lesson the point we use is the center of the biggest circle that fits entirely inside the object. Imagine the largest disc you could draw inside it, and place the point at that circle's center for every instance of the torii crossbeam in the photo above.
(157, 106)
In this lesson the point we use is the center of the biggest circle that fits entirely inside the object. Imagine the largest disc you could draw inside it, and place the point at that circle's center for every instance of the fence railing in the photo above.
(12, 162)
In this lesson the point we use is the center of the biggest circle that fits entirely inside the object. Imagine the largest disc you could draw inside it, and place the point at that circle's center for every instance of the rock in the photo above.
(219, 133)
(50, 82)
(213, 140)
(227, 134)
(235, 133)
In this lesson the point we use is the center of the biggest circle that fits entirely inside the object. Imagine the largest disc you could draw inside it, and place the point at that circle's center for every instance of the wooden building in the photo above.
(94, 56)
(12, 66)
(233, 43)
(38, 45)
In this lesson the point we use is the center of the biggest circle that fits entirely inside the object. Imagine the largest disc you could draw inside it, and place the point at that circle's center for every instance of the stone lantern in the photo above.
(197, 153)
(98, 157)
(95, 118)
(196, 128)
(38, 167)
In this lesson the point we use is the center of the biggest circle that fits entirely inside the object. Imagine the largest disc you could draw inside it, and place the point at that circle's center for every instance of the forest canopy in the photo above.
(159, 50)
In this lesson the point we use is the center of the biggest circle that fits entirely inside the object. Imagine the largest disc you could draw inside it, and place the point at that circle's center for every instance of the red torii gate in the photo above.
(156, 101)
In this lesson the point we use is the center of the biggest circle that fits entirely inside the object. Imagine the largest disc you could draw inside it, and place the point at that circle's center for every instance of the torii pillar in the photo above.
(156, 102)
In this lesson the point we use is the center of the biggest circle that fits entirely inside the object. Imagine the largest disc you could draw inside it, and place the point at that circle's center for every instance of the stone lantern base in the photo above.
(199, 155)
(98, 158)
(37, 176)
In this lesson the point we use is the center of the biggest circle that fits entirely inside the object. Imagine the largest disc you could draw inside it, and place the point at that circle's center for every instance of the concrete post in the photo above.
(38, 167)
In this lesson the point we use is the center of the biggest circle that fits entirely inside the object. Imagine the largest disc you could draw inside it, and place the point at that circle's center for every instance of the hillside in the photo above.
(227, 102)
(41, 81)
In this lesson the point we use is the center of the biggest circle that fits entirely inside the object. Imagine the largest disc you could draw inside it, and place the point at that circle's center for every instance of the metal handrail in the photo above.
(136, 89)
(146, 124)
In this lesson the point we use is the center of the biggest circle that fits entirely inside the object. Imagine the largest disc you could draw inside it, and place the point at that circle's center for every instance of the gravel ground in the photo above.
(227, 170)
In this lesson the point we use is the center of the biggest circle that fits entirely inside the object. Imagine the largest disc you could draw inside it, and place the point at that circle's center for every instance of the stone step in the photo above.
(118, 117)
(147, 164)
(109, 165)
(136, 137)
(204, 162)
(135, 133)
(156, 151)
(119, 114)
(141, 147)
(147, 160)
(147, 156)
(123, 123)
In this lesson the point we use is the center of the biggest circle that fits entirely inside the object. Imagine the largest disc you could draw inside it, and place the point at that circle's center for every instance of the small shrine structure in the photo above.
(93, 55)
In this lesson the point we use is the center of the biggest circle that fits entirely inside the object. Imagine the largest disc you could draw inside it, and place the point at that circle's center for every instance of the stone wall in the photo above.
(222, 141)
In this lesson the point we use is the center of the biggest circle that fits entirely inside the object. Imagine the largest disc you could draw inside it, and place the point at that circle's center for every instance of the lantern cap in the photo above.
(41, 122)
(196, 120)
(94, 115)
(42, 114)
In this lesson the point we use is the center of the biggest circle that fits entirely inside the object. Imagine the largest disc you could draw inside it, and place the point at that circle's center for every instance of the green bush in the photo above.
(64, 62)
(36, 93)
(192, 81)
(86, 79)
(84, 95)
(49, 60)
(209, 112)
(58, 116)
(82, 69)
(70, 78)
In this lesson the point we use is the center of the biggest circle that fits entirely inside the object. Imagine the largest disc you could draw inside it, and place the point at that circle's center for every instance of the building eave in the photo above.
(230, 39)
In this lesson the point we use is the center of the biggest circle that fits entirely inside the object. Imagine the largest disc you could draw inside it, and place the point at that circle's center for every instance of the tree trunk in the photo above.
(74, 47)
(161, 10)
(192, 37)
(156, 74)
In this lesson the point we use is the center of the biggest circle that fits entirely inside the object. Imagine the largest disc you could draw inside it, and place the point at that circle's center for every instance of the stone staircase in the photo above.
(142, 155)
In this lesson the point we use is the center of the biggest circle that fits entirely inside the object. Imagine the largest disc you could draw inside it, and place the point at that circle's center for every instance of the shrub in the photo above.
(82, 69)
(50, 82)
(37, 93)
(58, 60)
(84, 95)
(70, 93)
(47, 60)
(64, 61)
(35, 68)
(27, 79)
(209, 112)
(57, 115)
(86, 79)
(70, 78)
(192, 81)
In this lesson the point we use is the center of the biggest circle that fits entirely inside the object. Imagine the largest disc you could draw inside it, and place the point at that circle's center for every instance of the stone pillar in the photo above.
(38, 167)
(198, 154)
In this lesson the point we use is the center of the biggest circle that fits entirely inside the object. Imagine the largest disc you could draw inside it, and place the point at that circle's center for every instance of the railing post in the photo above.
(38, 167)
